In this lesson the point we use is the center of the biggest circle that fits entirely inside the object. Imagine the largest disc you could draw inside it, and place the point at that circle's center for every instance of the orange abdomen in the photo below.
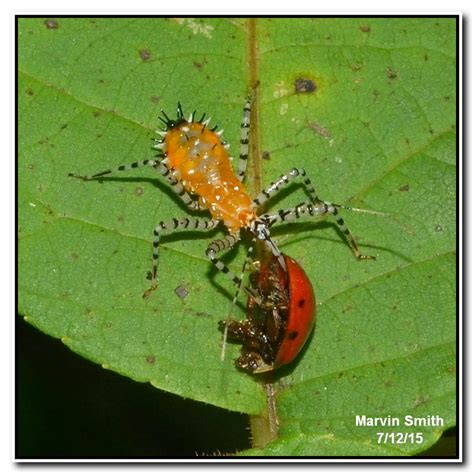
(204, 168)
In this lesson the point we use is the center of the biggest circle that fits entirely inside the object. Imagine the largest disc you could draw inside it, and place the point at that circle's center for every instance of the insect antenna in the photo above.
(357, 209)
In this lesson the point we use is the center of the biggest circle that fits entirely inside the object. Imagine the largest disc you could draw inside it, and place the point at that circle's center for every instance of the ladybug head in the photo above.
(252, 361)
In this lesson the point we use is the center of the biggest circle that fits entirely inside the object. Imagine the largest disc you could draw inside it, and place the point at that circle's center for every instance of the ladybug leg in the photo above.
(256, 350)
(191, 223)
(318, 210)
(238, 331)
(244, 139)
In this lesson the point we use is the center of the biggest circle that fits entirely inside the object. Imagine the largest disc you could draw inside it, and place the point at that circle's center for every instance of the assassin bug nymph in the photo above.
(195, 161)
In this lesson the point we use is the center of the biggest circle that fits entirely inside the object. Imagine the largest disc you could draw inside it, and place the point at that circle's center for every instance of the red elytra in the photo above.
(276, 328)
(301, 313)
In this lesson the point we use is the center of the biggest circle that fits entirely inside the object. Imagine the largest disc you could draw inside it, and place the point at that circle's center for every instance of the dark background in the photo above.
(68, 407)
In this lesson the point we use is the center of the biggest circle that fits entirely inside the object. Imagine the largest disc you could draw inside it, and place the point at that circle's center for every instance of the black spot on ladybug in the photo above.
(51, 24)
(145, 54)
(301, 303)
(303, 85)
(293, 335)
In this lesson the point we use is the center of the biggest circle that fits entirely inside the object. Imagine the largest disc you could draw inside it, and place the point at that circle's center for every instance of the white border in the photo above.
(299, 7)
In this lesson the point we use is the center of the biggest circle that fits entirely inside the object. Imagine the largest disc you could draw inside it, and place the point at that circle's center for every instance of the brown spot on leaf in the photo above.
(404, 188)
(421, 400)
(181, 291)
(365, 29)
(391, 74)
(303, 85)
(265, 155)
(150, 359)
(319, 129)
(145, 54)
(51, 24)
(199, 64)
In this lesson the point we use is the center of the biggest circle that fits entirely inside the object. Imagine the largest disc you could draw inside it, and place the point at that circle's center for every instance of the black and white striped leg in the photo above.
(131, 166)
(186, 223)
(218, 246)
(244, 139)
(318, 210)
(160, 167)
(177, 186)
(284, 181)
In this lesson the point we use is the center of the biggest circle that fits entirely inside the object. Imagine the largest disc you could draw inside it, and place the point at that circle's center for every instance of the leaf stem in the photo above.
(265, 427)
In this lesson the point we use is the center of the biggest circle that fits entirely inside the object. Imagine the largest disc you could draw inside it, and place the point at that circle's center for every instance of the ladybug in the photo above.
(278, 326)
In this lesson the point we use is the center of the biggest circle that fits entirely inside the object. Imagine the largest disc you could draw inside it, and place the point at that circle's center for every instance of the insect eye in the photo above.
(261, 231)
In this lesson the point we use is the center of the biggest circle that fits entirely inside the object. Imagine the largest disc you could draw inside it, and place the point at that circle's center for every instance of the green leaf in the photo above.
(375, 129)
